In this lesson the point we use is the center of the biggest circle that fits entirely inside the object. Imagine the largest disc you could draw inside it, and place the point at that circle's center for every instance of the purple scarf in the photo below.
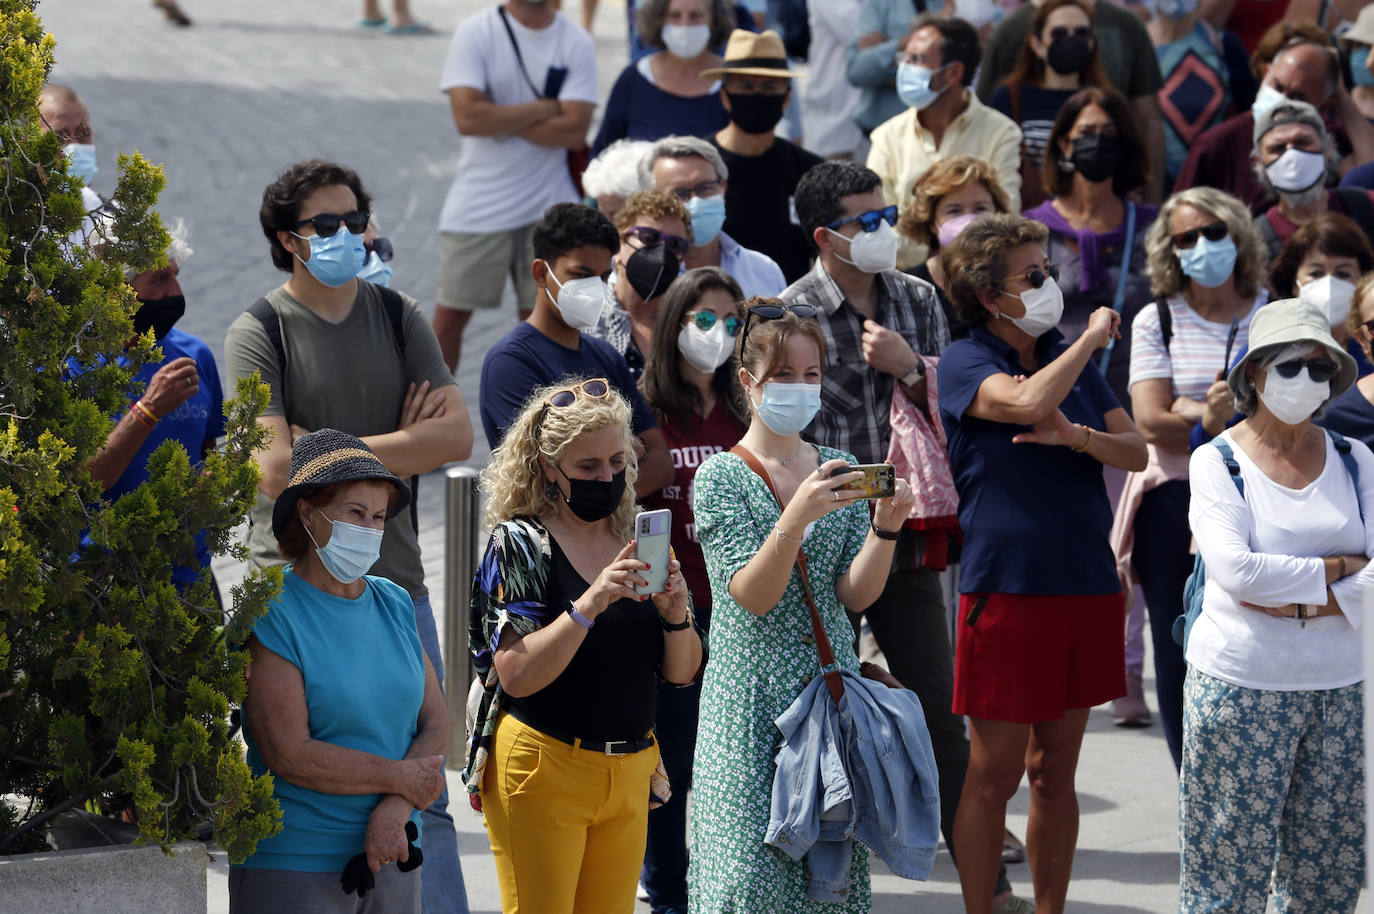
(1090, 244)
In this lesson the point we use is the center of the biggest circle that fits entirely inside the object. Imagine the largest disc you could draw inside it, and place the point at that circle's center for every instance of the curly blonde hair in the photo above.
(944, 178)
(656, 204)
(1166, 274)
(513, 479)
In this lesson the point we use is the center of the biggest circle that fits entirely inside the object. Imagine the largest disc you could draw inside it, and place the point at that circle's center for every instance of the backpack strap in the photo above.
(1268, 233)
(1352, 466)
(271, 325)
(395, 308)
(1166, 320)
(1228, 457)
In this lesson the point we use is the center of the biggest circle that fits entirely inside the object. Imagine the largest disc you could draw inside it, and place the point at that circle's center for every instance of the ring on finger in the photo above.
(836, 493)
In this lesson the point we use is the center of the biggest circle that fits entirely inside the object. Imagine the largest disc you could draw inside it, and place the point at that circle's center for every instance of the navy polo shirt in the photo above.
(1351, 415)
(1035, 518)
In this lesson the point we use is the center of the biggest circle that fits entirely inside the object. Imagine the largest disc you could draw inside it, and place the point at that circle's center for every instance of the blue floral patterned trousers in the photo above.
(1271, 798)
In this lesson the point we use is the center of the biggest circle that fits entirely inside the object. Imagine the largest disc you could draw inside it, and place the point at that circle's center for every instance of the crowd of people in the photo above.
(970, 337)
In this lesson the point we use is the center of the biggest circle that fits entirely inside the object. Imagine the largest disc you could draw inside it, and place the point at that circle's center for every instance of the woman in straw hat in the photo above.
(562, 758)
(1272, 783)
(343, 708)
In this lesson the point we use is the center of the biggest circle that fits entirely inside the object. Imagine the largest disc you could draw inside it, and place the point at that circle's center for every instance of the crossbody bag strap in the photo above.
(519, 58)
(1119, 302)
(829, 667)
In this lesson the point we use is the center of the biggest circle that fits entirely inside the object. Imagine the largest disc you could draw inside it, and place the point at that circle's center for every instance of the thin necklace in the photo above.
(787, 462)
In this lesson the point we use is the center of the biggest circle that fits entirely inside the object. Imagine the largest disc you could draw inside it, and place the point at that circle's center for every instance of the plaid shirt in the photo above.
(856, 399)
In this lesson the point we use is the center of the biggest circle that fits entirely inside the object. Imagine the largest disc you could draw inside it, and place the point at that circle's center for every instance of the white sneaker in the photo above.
(641, 893)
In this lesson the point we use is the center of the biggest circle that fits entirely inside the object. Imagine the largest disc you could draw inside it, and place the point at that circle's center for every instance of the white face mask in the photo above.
(579, 301)
(1293, 400)
(871, 252)
(1296, 171)
(705, 350)
(1332, 295)
(686, 41)
(1266, 98)
(1044, 308)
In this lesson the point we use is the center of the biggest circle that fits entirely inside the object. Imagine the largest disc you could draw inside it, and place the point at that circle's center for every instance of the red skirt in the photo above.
(1028, 659)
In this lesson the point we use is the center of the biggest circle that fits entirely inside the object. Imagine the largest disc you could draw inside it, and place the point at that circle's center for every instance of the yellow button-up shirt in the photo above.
(903, 150)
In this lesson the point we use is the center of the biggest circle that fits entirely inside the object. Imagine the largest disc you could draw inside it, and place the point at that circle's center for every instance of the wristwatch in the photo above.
(915, 374)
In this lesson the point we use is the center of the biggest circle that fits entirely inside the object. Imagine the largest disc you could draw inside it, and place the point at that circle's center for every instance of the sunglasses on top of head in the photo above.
(773, 312)
(1319, 370)
(1212, 232)
(327, 224)
(868, 221)
(1036, 276)
(705, 320)
(652, 237)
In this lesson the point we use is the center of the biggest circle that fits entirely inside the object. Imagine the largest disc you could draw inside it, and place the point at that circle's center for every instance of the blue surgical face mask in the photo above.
(1359, 67)
(1175, 9)
(351, 550)
(336, 259)
(788, 408)
(80, 160)
(708, 215)
(1266, 98)
(913, 85)
(1209, 263)
(375, 270)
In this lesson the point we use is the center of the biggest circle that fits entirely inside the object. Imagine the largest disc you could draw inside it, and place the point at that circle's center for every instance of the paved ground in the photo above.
(255, 86)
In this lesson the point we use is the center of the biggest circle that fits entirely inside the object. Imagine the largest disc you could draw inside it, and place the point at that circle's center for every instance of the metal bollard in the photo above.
(462, 516)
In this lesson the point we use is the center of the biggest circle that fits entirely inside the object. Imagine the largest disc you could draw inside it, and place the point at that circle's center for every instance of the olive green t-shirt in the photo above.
(348, 376)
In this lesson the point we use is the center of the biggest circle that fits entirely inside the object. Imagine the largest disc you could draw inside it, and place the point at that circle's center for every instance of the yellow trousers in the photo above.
(567, 825)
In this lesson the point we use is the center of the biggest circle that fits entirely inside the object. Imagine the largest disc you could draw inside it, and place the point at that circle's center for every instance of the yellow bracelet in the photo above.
(1087, 442)
(143, 414)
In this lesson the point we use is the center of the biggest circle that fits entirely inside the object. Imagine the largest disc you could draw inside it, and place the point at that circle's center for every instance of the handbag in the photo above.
(829, 666)
(577, 158)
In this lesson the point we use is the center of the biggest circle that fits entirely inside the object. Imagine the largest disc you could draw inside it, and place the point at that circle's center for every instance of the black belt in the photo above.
(607, 747)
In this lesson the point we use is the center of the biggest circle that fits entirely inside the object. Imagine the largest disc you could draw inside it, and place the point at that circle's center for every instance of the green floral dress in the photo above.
(758, 667)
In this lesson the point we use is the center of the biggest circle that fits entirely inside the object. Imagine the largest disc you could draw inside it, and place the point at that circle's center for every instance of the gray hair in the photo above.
(681, 147)
(616, 170)
(1247, 397)
(178, 247)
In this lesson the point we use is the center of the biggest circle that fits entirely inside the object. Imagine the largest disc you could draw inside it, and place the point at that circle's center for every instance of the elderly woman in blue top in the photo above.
(1030, 423)
(343, 708)
(1272, 785)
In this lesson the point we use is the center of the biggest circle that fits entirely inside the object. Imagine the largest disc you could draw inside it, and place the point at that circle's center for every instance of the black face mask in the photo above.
(1070, 54)
(158, 314)
(651, 271)
(1096, 156)
(594, 499)
(756, 113)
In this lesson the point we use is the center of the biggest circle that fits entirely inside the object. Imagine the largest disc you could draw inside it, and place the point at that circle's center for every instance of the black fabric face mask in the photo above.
(757, 112)
(594, 499)
(651, 271)
(1096, 156)
(1069, 54)
(158, 314)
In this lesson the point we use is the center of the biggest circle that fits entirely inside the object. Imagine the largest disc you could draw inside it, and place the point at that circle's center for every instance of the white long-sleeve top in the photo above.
(1266, 548)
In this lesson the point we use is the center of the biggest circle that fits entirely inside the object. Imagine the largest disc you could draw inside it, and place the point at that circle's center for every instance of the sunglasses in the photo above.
(868, 221)
(382, 248)
(652, 238)
(773, 312)
(327, 224)
(1319, 370)
(1214, 232)
(596, 388)
(705, 320)
(1063, 31)
(1036, 276)
(1368, 326)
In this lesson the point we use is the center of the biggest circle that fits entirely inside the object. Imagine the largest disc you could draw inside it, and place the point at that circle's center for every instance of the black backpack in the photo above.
(394, 306)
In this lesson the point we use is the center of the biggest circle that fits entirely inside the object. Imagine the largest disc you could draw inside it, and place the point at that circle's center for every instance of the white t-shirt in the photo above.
(1266, 549)
(505, 182)
(1196, 349)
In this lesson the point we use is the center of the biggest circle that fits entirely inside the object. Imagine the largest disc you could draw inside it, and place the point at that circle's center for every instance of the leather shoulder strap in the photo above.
(827, 653)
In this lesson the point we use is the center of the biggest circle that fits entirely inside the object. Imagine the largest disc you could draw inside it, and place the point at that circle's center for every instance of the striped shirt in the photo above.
(1196, 349)
(855, 398)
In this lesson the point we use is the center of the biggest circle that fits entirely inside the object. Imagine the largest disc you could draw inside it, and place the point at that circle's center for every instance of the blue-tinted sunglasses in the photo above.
(868, 221)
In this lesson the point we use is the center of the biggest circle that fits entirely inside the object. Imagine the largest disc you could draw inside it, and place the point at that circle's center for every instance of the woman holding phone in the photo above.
(689, 386)
(765, 651)
(564, 775)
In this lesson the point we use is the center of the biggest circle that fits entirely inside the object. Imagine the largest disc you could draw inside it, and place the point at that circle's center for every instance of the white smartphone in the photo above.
(652, 534)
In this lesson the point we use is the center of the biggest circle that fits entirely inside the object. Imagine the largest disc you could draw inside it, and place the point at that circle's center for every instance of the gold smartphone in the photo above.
(879, 480)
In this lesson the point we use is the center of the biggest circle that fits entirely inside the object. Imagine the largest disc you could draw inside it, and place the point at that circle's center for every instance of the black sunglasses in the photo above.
(382, 248)
(327, 224)
(1319, 370)
(868, 221)
(652, 237)
(773, 312)
(1063, 31)
(1214, 232)
(1036, 276)
(1368, 326)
